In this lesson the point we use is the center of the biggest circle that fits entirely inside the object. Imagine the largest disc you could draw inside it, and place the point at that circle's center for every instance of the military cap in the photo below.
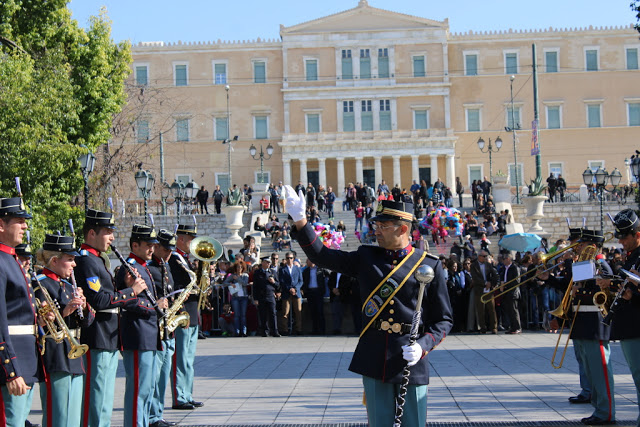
(188, 229)
(389, 210)
(167, 239)
(626, 222)
(97, 218)
(57, 243)
(144, 233)
(13, 207)
(574, 233)
(23, 250)
(266, 258)
(592, 236)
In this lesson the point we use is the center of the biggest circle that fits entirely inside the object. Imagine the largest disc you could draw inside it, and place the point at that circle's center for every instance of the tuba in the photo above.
(206, 250)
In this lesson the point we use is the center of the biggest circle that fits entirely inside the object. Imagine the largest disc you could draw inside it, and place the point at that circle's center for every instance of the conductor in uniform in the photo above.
(389, 293)
(17, 319)
(93, 276)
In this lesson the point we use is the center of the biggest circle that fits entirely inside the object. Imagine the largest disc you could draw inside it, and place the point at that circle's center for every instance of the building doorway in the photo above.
(425, 173)
(369, 177)
(313, 177)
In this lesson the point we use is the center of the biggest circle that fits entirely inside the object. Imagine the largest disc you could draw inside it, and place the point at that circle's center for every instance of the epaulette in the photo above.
(84, 252)
(131, 261)
(432, 256)
(41, 277)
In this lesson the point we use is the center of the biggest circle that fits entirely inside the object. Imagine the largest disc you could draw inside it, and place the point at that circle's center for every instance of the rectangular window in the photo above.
(473, 119)
(366, 115)
(555, 169)
(593, 116)
(551, 61)
(222, 130)
(220, 71)
(553, 117)
(475, 173)
(419, 69)
(632, 58)
(383, 63)
(365, 64)
(385, 114)
(222, 179)
(259, 72)
(142, 131)
(263, 178)
(181, 74)
(591, 57)
(348, 118)
(421, 119)
(634, 114)
(142, 75)
(471, 65)
(311, 69)
(511, 63)
(262, 130)
(513, 120)
(182, 130)
(347, 65)
(512, 175)
(313, 123)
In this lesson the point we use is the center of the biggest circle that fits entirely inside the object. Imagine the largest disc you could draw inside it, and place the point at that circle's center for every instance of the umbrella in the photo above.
(520, 242)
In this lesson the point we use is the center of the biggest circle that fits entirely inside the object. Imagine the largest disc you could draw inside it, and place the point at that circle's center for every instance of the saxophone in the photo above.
(173, 316)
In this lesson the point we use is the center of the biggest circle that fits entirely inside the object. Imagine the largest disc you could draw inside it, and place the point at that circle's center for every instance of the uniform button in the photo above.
(1, 348)
(395, 261)
(132, 294)
(12, 374)
(391, 311)
(6, 361)
(392, 302)
(29, 285)
(33, 305)
(390, 319)
(116, 298)
(390, 331)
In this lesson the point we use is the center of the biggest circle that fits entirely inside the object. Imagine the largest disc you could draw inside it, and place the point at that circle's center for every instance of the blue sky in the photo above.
(210, 20)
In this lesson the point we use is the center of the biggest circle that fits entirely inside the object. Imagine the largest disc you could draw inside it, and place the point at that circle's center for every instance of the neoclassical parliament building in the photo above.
(369, 94)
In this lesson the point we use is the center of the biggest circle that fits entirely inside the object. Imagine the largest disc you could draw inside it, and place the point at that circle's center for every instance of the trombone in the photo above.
(206, 250)
(545, 258)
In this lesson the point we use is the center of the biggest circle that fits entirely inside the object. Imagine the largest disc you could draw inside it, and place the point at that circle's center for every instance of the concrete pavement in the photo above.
(475, 380)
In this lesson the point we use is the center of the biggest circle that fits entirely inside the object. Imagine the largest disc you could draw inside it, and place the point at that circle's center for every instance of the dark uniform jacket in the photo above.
(263, 289)
(93, 276)
(626, 318)
(163, 279)
(379, 353)
(17, 307)
(55, 357)
(181, 280)
(138, 320)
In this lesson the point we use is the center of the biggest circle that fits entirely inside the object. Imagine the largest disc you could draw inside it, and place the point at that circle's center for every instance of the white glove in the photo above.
(295, 204)
(412, 353)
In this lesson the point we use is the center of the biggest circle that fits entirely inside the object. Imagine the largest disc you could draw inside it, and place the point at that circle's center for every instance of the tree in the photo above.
(60, 86)
(635, 6)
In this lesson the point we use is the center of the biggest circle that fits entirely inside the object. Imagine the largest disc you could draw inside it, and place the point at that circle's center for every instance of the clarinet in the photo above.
(616, 300)
(72, 278)
(132, 272)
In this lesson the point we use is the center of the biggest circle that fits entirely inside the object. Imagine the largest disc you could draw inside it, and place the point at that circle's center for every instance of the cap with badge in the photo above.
(23, 250)
(267, 259)
(144, 233)
(591, 236)
(389, 210)
(167, 239)
(57, 243)
(626, 222)
(13, 207)
(188, 229)
(97, 218)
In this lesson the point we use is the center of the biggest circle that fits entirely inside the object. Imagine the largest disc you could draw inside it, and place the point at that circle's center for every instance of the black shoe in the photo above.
(276, 335)
(595, 421)
(197, 404)
(28, 423)
(169, 423)
(202, 337)
(579, 399)
(162, 423)
(183, 406)
(264, 334)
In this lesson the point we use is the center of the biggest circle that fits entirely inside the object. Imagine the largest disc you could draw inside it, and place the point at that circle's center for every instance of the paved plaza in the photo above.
(475, 380)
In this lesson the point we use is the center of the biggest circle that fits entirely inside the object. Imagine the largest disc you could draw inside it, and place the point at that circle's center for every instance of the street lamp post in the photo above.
(514, 126)
(87, 162)
(490, 150)
(177, 189)
(262, 157)
(190, 191)
(144, 182)
(601, 177)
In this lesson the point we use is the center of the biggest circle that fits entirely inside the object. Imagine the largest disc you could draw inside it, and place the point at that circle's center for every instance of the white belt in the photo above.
(586, 308)
(23, 330)
(110, 310)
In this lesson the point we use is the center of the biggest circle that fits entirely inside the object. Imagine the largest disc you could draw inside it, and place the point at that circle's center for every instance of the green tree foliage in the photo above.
(635, 6)
(60, 86)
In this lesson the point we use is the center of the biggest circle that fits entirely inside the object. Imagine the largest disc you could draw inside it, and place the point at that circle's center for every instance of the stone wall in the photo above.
(556, 214)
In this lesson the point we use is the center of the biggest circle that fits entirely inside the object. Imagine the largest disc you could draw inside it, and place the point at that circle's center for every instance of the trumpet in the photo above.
(207, 250)
(545, 258)
(57, 329)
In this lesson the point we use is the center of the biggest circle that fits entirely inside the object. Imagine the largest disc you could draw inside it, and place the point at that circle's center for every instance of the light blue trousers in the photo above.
(381, 403)
(631, 350)
(163, 364)
(61, 398)
(16, 408)
(183, 358)
(99, 387)
(597, 366)
(140, 371)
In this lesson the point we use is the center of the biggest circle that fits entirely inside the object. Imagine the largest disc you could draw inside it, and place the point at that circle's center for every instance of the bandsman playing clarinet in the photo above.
(62, 388)
(390, 291)
(93, 276)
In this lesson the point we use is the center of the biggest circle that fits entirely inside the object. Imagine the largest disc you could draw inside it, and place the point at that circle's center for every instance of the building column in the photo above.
(434, 168)
(322, 172)
(396, 171)
(303, 171)
(286, 172)
(341, 184)
(377, 167)
(359, 173)
(451, 172)
(415, 168)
